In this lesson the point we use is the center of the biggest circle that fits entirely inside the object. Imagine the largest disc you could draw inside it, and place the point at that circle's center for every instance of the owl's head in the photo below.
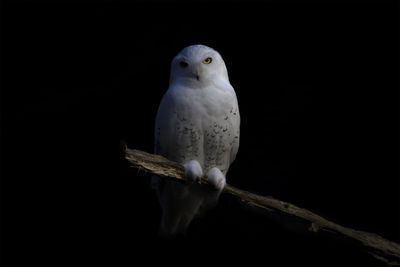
(198, 63)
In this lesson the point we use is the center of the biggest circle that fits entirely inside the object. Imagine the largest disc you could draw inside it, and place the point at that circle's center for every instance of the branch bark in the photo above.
(382, 249)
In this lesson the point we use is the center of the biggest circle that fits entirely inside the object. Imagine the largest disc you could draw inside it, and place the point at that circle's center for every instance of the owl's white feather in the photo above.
(197, 125)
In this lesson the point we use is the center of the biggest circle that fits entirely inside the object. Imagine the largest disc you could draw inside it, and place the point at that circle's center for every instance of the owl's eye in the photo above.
(183, 64)
(207, 60)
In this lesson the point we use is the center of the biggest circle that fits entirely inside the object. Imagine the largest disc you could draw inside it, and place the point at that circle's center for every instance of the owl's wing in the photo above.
(175, 135)
(176, 138)
(235, 121)
(161, 133)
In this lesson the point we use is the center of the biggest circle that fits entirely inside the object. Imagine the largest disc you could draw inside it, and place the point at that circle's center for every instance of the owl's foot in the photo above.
(193, 170)
(216, 178)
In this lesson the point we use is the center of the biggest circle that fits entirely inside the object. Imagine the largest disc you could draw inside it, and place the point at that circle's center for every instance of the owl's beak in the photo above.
(196, 74)
(193, 69)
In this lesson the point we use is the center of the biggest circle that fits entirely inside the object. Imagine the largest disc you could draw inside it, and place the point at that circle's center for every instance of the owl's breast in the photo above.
(203, 125)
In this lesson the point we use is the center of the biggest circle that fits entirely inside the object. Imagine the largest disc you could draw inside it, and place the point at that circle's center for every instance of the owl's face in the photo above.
(198, 64)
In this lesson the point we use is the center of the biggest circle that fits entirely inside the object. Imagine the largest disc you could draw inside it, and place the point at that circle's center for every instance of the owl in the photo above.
(197, 125)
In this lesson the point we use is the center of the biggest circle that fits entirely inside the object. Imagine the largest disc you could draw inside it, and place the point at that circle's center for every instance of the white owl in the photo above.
(197, 125)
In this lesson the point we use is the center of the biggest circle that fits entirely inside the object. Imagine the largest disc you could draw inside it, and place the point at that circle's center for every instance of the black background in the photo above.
(318, 93)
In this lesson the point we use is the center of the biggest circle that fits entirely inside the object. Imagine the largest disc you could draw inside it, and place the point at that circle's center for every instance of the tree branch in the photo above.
(382, 249)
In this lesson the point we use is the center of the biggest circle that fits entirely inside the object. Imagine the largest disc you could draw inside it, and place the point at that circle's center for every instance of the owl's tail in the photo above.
(180, 204)
(174, 224)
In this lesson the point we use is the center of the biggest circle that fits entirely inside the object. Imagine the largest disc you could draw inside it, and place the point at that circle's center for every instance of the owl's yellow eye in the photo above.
(207, 60)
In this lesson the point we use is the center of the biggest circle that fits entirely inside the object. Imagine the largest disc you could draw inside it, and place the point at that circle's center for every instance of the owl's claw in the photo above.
(216, 178)
(193, 170)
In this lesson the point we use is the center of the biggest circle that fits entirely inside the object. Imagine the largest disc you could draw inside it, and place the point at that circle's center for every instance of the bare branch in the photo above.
(382, 249)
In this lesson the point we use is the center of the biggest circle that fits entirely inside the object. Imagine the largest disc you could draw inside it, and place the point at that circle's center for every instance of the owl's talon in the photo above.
(193, 170)
(216, 178)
